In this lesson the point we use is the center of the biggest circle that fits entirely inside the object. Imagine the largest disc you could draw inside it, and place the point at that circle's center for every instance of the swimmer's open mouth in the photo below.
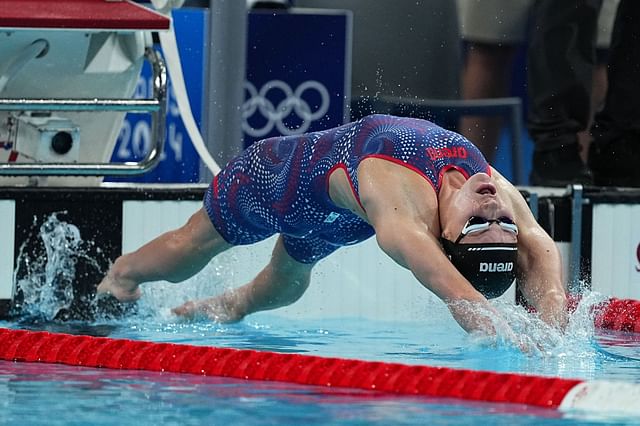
(486, 189)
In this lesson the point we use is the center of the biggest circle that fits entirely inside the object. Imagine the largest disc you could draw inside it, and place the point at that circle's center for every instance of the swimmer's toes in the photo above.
(186, 310)
(126, 296)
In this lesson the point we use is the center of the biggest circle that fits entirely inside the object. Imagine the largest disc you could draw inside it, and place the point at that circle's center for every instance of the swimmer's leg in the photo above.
(173, 256)
(283, 281)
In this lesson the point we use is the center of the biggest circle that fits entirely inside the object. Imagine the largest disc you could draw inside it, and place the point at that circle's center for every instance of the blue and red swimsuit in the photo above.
(281, 185)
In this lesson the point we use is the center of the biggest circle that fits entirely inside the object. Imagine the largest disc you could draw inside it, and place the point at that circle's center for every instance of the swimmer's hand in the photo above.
(219, 309)
(527, 345)
(521, 342)
(125, 290)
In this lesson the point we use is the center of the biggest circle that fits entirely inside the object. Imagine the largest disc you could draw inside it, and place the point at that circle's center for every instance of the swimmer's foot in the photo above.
(215, 309)
(105, 305)
(123, 290)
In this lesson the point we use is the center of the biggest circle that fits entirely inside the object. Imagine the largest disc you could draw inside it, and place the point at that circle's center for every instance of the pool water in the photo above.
(42, 394)
(55, 394)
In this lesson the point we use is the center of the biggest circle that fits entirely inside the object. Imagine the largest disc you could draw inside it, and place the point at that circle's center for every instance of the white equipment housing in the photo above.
(64, 92)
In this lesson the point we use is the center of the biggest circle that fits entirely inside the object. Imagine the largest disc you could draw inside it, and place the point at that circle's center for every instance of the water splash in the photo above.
(46, 283)
(526, 329)
(158, 298)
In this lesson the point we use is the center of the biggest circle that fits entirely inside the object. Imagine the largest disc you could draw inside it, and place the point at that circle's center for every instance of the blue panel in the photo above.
(297, 73)
(179, 162)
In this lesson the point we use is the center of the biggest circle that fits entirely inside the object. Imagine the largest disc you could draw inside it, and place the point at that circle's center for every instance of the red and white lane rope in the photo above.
(101, 352)
(618, 314)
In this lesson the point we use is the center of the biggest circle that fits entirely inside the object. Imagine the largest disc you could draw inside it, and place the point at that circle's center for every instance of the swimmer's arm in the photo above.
(402, 207)
(540, 277)
(414, 247)
(539, 262)
(403, 221)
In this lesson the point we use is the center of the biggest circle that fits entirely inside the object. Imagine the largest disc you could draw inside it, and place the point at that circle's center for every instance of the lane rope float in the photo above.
(104, 352)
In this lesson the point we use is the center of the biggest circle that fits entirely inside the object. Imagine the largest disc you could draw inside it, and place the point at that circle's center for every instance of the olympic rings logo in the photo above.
(292, 103)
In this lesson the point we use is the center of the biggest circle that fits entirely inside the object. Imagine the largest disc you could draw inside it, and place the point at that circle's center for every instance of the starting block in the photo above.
(69, 72)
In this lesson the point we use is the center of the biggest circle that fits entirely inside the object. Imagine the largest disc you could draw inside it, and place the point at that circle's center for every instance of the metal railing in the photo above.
(156, 107)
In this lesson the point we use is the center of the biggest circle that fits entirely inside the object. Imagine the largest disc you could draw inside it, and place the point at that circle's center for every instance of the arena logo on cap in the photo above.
(496, 266)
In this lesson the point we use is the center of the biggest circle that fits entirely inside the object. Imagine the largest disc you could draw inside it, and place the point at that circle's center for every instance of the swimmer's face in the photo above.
(479, 197)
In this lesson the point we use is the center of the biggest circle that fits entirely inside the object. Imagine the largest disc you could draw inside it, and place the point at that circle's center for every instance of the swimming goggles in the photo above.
(479, 224)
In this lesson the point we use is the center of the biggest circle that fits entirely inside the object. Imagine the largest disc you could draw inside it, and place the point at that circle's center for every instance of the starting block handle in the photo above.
(157, 107)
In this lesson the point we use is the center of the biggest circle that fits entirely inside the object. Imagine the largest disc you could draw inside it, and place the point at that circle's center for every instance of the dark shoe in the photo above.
(560, 167)
(615, 160)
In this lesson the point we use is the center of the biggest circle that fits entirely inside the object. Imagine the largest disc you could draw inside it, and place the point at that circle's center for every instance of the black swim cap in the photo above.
(489, 267)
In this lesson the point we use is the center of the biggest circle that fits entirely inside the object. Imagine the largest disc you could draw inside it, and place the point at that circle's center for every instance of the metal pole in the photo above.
(576, 239)
(128, 105)
(516, 144)
(226, 76)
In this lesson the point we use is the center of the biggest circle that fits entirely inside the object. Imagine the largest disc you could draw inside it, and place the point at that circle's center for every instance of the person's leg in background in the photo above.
(614, 155)
(561, 59)
(492, 31)
(599, 85)
(487, 74)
